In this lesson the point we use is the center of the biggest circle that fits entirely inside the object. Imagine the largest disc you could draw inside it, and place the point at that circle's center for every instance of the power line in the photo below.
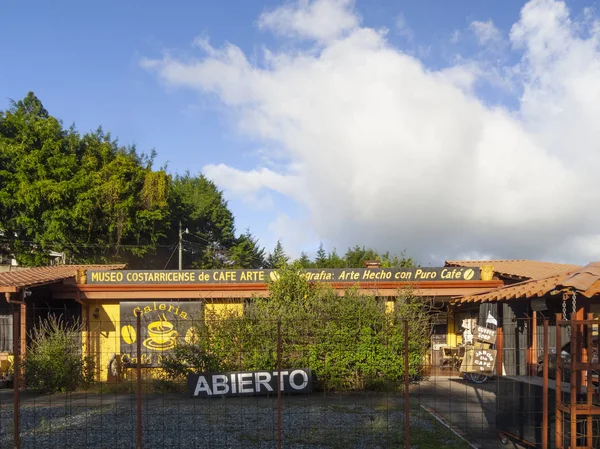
(175, 249)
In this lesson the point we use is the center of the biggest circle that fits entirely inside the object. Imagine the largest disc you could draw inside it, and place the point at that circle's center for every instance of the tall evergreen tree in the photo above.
(321, 259)
(304, 260)
(334, 260)
(278, 258)
(247, 253)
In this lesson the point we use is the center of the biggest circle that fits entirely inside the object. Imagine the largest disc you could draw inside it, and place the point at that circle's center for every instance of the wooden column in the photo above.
(23, 325)
(534, 346)
(500, 340)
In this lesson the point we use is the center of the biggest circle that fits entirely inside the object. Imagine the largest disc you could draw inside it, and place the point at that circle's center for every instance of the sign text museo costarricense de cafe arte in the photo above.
(337, 275)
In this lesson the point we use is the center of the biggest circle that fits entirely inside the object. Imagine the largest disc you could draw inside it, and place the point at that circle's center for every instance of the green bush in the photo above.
(190, 356)
(54, 361)
(350, 342)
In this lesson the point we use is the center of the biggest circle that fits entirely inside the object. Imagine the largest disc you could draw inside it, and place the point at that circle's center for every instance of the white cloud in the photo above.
(485, 32)
(456, 35)
(385, 152)
(402, 28)
(320, 20)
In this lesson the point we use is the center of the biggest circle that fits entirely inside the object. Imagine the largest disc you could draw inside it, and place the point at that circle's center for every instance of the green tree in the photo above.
(202, 209)
(99, 201)
(35, 168)
(334, 260)
(388, 261)
(321, 259)
(304, 261)
(247, 253)
(84, 195)
(278, 258)
(351, 342)
(356, 257)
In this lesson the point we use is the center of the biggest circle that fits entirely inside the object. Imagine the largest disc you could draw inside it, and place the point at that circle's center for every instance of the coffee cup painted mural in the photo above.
(163, 323)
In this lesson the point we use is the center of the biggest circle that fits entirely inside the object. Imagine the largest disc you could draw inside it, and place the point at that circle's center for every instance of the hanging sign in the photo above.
(486, 335)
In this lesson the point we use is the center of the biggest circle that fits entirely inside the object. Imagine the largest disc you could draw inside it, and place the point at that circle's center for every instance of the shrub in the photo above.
(189, 356)
(350, 342)
(54, 361)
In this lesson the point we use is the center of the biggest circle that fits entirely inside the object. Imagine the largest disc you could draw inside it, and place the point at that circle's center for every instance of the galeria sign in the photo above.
(249, 383)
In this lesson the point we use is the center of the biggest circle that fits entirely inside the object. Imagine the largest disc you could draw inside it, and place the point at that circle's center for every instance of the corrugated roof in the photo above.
(30, 277)
(519, 268)
(585, 280)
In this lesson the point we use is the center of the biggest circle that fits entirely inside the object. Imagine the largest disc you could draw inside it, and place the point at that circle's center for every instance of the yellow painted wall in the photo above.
(104, 336)
(105, 331)
(451, 337)
(224, 308)
(389, 306)
(6, 361)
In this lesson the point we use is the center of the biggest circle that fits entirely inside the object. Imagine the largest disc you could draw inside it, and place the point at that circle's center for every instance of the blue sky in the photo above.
(85, 61)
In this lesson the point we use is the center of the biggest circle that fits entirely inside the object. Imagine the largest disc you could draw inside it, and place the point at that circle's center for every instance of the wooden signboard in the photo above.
(486, 335)
(479, 360)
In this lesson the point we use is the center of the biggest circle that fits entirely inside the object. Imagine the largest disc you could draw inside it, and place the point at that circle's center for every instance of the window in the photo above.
(6, 333)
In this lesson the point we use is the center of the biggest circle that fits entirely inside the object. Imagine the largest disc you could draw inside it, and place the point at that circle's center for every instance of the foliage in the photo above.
(304, 260)
(54, 360)
(350, 342)
(84, 195)
(278, 258)
(321, 259)
(355, 258)
(190, 356)
(98, 201)
(247, 253)
(202, 210)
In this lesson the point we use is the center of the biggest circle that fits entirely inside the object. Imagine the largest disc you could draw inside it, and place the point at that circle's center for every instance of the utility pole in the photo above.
(180, 246)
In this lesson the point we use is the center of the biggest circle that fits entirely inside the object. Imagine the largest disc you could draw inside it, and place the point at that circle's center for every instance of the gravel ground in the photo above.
(220, 423)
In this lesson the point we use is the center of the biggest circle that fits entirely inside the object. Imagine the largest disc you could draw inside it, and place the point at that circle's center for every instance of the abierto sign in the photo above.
(249, 383)
(336, 275)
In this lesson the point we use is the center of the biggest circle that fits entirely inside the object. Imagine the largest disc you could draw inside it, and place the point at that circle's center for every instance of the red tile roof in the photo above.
(31, 277)
(585, 280)
(520, 268)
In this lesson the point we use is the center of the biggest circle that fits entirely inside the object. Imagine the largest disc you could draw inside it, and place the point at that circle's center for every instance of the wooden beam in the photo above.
(500, 340)
(129, 294)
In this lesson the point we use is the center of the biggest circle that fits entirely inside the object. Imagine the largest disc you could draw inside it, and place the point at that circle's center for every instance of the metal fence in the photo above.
(249, 389)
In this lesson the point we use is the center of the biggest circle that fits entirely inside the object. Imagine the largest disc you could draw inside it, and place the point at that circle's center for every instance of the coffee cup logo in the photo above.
(161, 335)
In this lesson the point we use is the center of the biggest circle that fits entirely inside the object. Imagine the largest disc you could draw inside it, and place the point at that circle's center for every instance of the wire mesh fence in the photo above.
(150, 376)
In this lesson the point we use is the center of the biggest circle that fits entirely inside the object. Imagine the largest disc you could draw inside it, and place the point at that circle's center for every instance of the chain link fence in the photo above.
(185, 377)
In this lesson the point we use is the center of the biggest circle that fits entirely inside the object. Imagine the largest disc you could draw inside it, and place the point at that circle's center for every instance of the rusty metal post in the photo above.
(558, 377)
(279, 384)
(16, 373)
(406, 385)
(88, 326)
(574, 380)
(139, 380)
(589, 430)
(545, 390)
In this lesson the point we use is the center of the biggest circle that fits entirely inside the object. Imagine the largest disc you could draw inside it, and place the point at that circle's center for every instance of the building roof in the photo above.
(30, 277)
(520, 269)
(584, 280)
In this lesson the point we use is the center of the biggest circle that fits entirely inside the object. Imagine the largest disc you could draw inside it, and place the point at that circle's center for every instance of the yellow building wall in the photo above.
(389, 306)
(224, 308)
(451, 337)
(105, 334)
